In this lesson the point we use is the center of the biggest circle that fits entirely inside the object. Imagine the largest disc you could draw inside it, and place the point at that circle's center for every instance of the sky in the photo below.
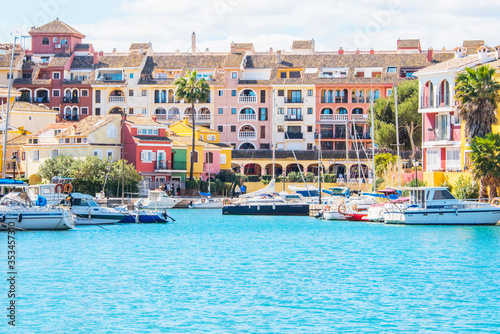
(168, 24)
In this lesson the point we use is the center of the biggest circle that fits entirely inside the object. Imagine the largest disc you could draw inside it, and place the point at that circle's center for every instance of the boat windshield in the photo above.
(16, 199)
(442, 195)
(84, 202)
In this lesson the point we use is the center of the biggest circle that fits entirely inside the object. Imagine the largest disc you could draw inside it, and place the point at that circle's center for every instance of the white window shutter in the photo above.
(448, 131)
(153, 156)
(142, 155)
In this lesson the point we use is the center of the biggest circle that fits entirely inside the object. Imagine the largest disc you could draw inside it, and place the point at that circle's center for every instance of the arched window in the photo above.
(157, 96)
(428, 95)
(45, 41)
(376, 95)
(163, 96)
(338, 96)
(195, 156)
(341, 111)
(344, 96)
(354, 98)
(444, 94)
(357, 111)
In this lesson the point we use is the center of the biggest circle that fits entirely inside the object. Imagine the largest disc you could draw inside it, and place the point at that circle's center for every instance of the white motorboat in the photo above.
(157, 200)
(207, 202)
(18, 212)
(437, 206)
(88, 212)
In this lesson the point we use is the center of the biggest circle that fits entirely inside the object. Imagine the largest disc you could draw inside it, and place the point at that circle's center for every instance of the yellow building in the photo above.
(94, 135)
(185, 129)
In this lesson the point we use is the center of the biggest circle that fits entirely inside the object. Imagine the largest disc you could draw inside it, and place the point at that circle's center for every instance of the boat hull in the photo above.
(267, 210)
(98, 219)
(333, 215)
(207, 205)
(33, 221)
(445, 217)
(356, 216)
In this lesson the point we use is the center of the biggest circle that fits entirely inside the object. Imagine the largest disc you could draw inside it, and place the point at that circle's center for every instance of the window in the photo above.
(56, 132)
(45, 60)
(85, 92)
(234, 75)
(97, 111)
(64, 41)
(281, 128)
(233, 92)
(264, 146)
(294, 74)
(98, 97)
(78, 140)
(433, 159)
(55, 40)
(45, 41)
(442, 127)
(221, 111)
(283, 75)
(262, 96)
(281, 111)
(281, 92)
(309, 147)
(452, 158)
(223, 159)
(54, 153)
(455, 120)
(97, 153)
(85, 110)
(209, 157)
(233, 111)
(233, 128)
(309, 128)
(294, 129)
(36, 155)
(389, 92)
(148, 156)
(56, 75)
(262, 114)
(56, 93)
(55, 108)
(23, 156)
(221, 92)
(144, 92)
(262, 132)
(220, 128)
(194, 156)
(310, 92)
(111, 131)
(131, 75)
(309, 111)
(109, 155)
(150, 132)
(211, 137)
(391, 69)
(131, 93)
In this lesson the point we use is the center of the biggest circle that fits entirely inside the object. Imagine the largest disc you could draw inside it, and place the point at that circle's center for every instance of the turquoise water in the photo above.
(214, 273)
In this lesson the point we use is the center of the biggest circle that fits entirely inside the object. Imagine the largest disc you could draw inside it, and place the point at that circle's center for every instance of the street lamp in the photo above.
(415, 164)
(14, 161)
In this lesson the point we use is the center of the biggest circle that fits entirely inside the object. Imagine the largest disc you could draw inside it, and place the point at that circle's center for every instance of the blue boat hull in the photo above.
(267, 210)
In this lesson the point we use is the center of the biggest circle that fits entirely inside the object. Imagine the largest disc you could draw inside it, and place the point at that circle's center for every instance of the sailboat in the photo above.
(206, 201)
(266, 201)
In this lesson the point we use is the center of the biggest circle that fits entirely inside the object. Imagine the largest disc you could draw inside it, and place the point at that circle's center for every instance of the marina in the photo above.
(264, 274)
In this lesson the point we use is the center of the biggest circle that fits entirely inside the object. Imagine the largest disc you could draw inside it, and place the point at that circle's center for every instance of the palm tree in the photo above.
(485, 158)
(477, 91)
(192, 90)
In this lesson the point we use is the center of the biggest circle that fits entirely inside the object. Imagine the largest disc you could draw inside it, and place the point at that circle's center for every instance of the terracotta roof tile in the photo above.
(408, 44)
(82, 62)
(456, 63)
(56, 26)
(303, 45)
(473, 44)
(141, 120)
(59, 61)
(88, 125)
(137, 46)
(5, 59)
(26, 106)
(83, 47)
(109, 61)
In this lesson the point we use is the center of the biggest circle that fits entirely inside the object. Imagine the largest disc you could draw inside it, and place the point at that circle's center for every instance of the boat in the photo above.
(17, 212)
(207, 202)
(143, 217)
(88, 212)
(376, 211)
(157, 200)
(437, 206)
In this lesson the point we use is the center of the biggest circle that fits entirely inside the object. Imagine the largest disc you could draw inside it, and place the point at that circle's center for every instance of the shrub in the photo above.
(253, 178)
(465, 187)
(267, 177)
(330, 178)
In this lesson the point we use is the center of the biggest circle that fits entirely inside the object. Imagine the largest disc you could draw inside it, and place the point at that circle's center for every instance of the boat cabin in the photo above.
(78, 199)
(430, 196)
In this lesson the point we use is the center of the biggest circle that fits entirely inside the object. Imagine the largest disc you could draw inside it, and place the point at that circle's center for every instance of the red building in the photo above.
(57, 69)
(148, 148)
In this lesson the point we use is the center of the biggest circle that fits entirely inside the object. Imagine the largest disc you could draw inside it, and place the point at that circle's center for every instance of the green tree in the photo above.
(485, 157)
(62, 165)
(410, 121)
(466, 188)
(192, 90)
(477, 92)
(131, 178)
(90, 174)
(383, 161)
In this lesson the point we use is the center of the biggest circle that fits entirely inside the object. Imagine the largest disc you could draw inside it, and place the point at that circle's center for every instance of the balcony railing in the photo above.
(359, 117)
(70, 100)
(332, 117)
(164, 117)
(247, 99)
(23, 99)
(41, 100)
(294, 100)
(71, 118)
(294, 135)
(204, 117)
(293, 118)
(247, 135)
(247, 117)
(170, 165)
(324, 135)
(117, 99)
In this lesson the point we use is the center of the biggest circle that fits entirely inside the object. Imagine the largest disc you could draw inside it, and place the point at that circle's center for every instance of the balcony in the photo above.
(325, 135)
(294, 135)
(335, 118)
(294, 100)
(41, 100)
(359, 118)
(204, 117)
(247, 99)
(247, 117)
(164, 117)
(247, 135)
(70, 100)
(291, 118)
(167, 166)
(23, 99)
(117, 99)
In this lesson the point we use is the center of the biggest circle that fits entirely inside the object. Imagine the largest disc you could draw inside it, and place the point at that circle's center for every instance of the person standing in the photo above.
(178, 190)
(167, 186)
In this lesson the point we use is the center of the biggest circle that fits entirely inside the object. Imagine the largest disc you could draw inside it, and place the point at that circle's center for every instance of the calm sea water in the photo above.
(214, 273)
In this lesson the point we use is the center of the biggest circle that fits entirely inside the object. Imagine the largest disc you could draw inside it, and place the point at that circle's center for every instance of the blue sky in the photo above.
(168, 24)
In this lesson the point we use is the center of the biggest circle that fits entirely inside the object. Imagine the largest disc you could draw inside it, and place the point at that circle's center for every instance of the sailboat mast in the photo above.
(347, 153)
(208, 165)
(397, 132)
(372, 134)
(273, 134)
(6, 123)
(319, 164)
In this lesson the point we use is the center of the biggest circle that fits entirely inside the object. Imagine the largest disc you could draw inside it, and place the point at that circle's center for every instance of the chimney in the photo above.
(193, 43)
(459, 52)
(101, 53)
(278, 57)
(372, 52)
(430, 52)
(271, 51)
(313, 45)
(341, 51)
(96, 58)
(114, 50)
(357, 51)
(233, 48)
(207, 51)
(154, 118)
(141, 50)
